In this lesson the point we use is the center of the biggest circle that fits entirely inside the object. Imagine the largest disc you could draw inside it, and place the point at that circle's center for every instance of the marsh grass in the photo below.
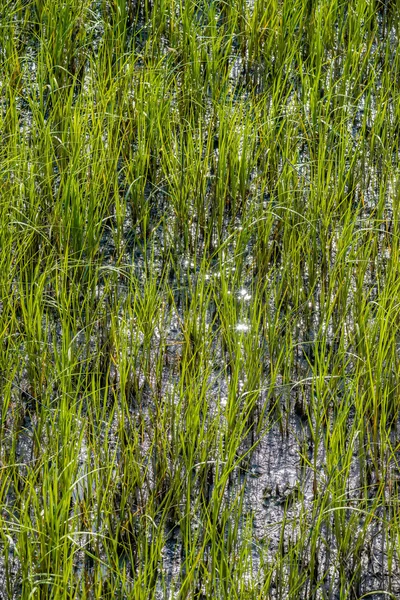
(199, 209)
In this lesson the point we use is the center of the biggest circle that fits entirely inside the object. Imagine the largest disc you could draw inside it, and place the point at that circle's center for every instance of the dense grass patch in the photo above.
(199, 299)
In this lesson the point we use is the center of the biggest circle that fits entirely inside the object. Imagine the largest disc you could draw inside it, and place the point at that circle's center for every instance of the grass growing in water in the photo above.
(199, 262)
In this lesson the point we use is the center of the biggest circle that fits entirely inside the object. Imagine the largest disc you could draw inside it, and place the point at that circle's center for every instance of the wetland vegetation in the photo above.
(199, 299)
